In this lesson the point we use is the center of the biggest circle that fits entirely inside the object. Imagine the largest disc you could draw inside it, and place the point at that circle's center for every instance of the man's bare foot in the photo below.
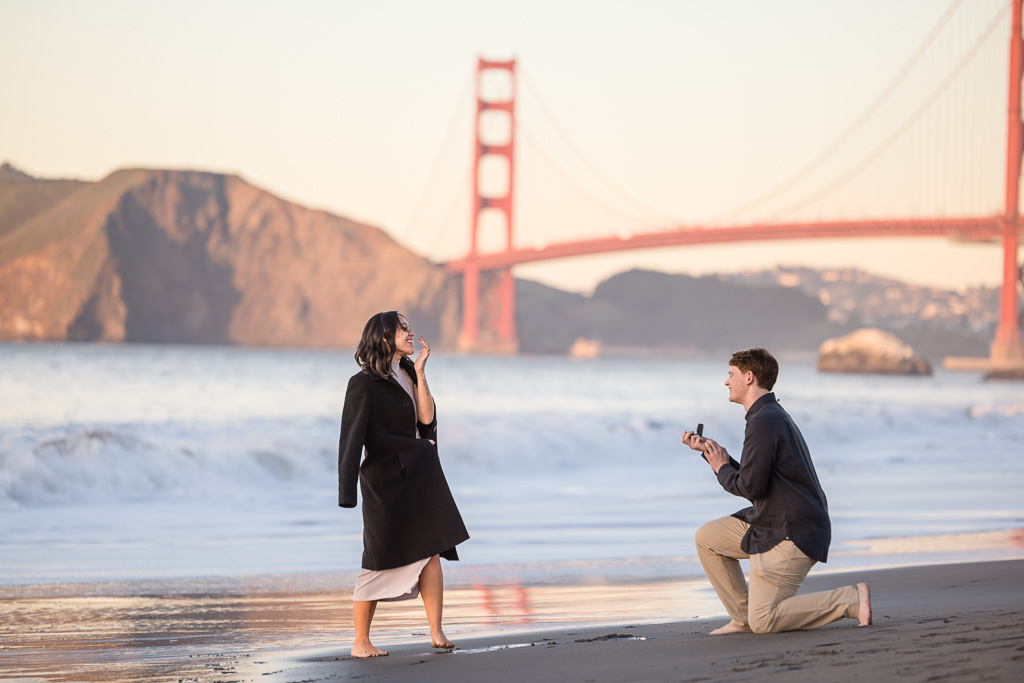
(367, 650)
(864, 609)
(440, 641)
(728, 628)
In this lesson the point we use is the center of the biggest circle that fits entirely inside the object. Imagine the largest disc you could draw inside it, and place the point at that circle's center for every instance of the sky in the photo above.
(630, 117)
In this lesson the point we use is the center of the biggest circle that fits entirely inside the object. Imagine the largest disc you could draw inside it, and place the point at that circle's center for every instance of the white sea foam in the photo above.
(188, 461)
(982, 410)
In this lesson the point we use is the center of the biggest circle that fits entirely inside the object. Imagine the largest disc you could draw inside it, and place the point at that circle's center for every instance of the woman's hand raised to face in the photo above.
(421, 360)
(424, 401)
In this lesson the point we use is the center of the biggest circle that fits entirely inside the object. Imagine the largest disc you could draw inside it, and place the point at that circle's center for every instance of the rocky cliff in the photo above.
(185, 256)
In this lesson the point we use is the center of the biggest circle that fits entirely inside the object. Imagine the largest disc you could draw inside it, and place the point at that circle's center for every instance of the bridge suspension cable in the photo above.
(905, 126)
(442, 153)
(566, 178)
(847, 134)
(461, 195)
(651, 212)
(907, 152)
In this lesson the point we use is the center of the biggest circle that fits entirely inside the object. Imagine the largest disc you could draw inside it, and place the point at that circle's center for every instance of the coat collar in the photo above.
(407, 365)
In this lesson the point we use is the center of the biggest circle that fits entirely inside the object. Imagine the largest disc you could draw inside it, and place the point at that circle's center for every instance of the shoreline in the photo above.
(866, 554)
(653, 630)
(962, 622)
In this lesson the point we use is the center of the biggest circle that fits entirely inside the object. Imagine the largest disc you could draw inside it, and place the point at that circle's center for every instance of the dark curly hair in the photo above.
(377, 347)
(761, 363)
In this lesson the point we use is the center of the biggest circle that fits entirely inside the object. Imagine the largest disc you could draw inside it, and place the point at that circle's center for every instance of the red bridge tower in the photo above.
(497, 290)
(1007, 348)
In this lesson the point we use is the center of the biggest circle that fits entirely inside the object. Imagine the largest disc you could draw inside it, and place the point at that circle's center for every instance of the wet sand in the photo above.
(951, 622)
(954, 622)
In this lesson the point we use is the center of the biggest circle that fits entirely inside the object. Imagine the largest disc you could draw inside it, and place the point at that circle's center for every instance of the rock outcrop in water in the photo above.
(870, 351)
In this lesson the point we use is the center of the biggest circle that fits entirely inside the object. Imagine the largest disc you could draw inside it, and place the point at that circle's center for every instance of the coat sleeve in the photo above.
(428, 431)
(354, 418)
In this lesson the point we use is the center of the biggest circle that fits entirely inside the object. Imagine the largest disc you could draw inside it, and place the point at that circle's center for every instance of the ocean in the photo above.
(136, 463)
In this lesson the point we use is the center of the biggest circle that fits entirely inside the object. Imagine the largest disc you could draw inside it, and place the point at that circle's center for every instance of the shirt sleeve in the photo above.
(750, 479)
(354, 418)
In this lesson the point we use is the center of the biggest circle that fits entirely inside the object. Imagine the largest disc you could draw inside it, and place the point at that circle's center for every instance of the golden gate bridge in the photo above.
(487, 276)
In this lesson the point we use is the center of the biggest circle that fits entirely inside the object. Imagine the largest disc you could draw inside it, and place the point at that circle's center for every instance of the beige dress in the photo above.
(400, 583)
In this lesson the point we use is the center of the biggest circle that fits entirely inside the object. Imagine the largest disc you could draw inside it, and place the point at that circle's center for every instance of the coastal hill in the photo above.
(191, 257)
(674, 313)
(22, 196)
(165, 256)
(935, 322)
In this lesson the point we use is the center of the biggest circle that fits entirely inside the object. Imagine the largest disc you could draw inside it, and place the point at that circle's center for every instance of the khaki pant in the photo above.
(771, 604)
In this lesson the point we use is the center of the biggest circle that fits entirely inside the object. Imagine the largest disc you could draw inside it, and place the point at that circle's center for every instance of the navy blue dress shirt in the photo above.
(776, 474)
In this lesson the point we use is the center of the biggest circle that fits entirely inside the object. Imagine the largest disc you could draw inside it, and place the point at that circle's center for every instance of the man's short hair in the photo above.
(761, 363)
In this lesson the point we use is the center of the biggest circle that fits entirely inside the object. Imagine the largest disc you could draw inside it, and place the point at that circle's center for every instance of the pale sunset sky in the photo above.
(630, 116)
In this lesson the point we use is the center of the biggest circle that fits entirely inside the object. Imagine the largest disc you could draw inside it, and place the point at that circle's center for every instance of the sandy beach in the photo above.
(950, 622)
(937, 622)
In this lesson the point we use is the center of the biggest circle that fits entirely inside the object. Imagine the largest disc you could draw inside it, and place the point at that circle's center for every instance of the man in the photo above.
(786, 530)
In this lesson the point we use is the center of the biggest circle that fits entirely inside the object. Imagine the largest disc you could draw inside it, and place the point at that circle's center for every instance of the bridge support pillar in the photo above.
(507, 308)
(488, 312)
(469, 336)
(1006, 348)
(499, 316)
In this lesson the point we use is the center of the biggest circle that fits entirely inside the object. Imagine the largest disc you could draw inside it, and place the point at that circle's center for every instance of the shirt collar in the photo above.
(760, 403)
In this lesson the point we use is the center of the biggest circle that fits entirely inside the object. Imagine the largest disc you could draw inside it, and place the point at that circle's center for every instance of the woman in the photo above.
(410, 519)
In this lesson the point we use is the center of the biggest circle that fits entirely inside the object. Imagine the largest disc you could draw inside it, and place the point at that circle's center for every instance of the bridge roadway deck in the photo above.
(962, 229)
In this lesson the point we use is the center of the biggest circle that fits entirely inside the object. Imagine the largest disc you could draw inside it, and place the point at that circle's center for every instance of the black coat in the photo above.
(408, 510)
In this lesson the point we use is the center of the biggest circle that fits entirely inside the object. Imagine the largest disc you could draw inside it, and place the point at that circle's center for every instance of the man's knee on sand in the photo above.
(762, 619)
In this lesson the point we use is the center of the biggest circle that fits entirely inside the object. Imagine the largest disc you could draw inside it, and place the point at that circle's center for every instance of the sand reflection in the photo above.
(58, 637)
(219, 629)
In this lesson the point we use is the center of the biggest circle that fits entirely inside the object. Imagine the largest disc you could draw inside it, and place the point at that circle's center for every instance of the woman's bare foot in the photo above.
(729, 628)
(366, 649)
(864, 609)
(439, 640)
